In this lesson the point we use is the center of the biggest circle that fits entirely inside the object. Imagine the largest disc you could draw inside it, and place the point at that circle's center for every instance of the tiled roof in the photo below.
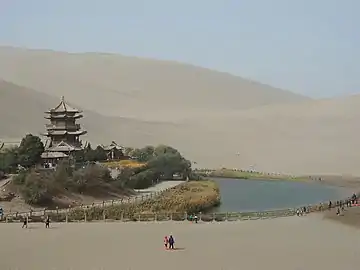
(63, 147)
(64, 107)
(53, 155)
(113, 145)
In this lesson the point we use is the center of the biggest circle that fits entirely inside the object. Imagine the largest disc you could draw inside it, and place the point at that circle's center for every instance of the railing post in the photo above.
(214, 216)
(84, 215)
(200, 216)
(171, 216)
(66, 217)
(186, 216)
(139, 217)
(226, 216)
(155, 217)
(104, 215)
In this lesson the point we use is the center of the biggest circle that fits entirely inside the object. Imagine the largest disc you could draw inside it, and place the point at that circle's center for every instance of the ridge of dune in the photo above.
(117, 85)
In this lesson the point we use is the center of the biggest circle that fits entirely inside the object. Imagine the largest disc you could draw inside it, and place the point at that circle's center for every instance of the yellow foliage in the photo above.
(123, 164)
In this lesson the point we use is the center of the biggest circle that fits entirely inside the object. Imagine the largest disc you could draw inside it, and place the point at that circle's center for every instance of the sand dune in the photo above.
(147, 89)
(209, 116)
(22, 111)
(279, 244)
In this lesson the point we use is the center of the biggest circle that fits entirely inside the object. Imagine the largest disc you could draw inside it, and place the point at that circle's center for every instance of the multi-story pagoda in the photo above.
(63, 131)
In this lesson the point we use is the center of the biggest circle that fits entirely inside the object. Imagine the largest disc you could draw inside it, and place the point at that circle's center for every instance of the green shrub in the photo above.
(20, 178)
(37, 188)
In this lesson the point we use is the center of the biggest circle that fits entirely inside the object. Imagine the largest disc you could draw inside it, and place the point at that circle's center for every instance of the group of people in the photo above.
(26, 220)
(193, 218)
(339, 205)
(169, 242)
(302, 211)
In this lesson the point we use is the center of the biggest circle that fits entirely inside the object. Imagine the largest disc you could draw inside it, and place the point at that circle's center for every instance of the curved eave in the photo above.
(55, 133)
(78, 116)
(77, 133)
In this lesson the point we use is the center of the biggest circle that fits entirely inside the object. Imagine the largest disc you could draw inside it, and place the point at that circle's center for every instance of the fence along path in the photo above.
(153, 217)
(143, 195)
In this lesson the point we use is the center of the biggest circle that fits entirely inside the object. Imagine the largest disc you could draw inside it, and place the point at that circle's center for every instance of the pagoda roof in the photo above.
(63, 147)
(112, 146)
(64, 132)
(50, 155)
(63, 107)
(63, 115)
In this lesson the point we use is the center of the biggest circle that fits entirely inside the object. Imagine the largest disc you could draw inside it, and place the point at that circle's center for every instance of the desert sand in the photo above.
(280, 244)
(209, 116)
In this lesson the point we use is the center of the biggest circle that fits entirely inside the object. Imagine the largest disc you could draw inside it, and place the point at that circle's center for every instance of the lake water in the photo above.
(257, 195)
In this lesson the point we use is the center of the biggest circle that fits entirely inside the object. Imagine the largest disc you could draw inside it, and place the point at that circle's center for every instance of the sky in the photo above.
(310, 47)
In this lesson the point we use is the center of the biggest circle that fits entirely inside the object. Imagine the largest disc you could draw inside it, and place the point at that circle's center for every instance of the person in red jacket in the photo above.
(166, 242)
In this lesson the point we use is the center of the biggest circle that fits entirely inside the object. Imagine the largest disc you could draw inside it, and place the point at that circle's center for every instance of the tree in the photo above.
(143, 154)
(99, 154)
(9, 160)
(142, 180)
(30, 150)
(170, 163)
(128, 151)
(37, 188)
(79, 156)
(91, 177)
(165, 149)
(123, 178)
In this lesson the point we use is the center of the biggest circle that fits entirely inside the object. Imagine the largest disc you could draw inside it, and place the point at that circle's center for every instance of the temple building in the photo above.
(63, 131)
(114, 151)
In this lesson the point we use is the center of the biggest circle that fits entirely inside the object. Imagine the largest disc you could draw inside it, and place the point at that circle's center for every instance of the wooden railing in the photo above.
(87, 216)
(44, 212)
(101, 212)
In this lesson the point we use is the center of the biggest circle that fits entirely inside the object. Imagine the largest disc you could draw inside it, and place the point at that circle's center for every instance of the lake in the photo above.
(259, 195)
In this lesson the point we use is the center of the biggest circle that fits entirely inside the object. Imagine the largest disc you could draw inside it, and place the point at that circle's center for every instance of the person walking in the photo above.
(47, 222)
(25, 224)
(171, 242)
(166, 242)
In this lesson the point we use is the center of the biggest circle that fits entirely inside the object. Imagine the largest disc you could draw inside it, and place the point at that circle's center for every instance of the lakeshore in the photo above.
(347, 181)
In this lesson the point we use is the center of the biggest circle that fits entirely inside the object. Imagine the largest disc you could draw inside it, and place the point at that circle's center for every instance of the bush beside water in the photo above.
(241, 174)
(191, 197)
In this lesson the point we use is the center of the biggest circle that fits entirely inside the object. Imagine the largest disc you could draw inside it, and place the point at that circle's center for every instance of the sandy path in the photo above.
(161, 186)
(279, 244)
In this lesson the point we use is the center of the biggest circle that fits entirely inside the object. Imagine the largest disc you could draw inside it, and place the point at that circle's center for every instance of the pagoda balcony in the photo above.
(63, 127)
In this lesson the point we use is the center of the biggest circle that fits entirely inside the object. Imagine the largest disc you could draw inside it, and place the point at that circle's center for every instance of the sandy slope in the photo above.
(133, 87)
(22, 111)
(313, 137)
(280, 244)
(209, 116)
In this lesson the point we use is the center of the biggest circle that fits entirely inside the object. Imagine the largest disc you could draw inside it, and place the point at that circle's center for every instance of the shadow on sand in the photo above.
(40, 227)
(176, 249)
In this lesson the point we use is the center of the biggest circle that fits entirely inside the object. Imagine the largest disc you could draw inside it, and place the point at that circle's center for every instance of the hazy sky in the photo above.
(307, 46)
